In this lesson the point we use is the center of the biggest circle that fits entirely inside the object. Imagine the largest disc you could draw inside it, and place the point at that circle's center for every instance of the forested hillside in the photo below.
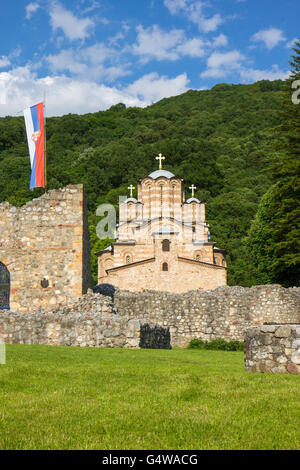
(222, 140)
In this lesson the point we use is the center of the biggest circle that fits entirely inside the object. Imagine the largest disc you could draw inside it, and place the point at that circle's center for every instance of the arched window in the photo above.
(4, 287)
(161, 199)
(173, 200)
(165, 267)
(128, 259)
(166, 245)
(198, 256)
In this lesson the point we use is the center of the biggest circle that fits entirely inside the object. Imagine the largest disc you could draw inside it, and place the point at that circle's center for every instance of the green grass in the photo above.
(87, 398)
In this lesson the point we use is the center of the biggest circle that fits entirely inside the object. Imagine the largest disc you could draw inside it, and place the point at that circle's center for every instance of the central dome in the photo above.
(158, 173)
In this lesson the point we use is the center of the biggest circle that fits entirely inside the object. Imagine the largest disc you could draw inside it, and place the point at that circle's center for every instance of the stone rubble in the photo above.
(273, 348)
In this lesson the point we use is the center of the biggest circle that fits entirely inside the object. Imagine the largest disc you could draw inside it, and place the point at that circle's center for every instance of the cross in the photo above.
(193, 189)
(131, 189)
(160, 158)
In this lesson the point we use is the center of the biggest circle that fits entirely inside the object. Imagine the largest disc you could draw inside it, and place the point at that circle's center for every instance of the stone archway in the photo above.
(4, 287)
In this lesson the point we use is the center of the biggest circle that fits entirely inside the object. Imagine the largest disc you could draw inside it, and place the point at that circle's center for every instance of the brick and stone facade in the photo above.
(162, 241)
(45, 247)
(273, 348)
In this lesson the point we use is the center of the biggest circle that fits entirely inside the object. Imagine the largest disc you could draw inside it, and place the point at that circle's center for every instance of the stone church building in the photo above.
(162, 241)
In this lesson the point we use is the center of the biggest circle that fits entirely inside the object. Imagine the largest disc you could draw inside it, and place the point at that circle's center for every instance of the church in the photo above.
(162, 240)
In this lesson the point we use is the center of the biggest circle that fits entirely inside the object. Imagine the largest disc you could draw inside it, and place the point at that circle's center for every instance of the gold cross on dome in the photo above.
(193, 189)
(131, 188)
(160, 158)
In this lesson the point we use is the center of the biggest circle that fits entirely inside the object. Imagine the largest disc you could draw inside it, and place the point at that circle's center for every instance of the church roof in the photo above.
(158, 173)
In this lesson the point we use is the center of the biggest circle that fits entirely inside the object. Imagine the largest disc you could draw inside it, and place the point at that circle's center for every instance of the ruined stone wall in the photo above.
(95, 320)
(46, 238)
(95, 326)
(225, 312)
(273, 348)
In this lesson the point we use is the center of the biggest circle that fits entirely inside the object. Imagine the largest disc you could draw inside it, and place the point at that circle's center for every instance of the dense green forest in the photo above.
(223, 140)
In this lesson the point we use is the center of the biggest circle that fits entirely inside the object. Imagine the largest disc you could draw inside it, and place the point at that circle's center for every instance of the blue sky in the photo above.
(87, 55)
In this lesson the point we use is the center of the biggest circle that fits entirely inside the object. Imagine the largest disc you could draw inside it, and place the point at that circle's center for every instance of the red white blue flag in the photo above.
(34, 122)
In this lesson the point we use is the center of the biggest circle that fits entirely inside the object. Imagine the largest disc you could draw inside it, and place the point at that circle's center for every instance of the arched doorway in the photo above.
(4, 287)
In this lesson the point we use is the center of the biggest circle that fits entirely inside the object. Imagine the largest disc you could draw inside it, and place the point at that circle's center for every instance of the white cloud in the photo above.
(66, 60)
(4, 62)
(255, 75)
(30, 9)
(120, 35)
(154, 43)
(174, 6)
(94, 5)
(195, 47)
(291, 43)
(152, 87)
(269, 37)
(73, 27)
(193, 10)
(220, 65)
(220, 41)
(21, 88)
(94, 62)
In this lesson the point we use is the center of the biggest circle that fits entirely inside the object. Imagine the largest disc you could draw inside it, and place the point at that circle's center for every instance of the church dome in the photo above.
(192, 199)
(130, 199)
(158, 173)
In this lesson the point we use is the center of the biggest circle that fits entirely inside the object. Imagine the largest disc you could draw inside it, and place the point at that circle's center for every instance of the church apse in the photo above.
(160, 217)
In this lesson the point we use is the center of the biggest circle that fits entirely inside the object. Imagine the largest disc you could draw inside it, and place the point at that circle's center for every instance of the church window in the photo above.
(198, 257)
(161, 194)
(165, 267)
(128, 259)
(4, 287)
(173, 200)
(166, 245)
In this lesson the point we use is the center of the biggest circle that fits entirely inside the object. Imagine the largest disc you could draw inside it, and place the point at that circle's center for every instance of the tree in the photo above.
(274, 237)
(295, 62)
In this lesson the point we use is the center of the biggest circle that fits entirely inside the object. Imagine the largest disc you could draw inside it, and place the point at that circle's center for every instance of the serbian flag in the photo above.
(34, 122)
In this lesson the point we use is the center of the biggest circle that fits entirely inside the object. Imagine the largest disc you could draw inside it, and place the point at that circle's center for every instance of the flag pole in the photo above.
(45, 142)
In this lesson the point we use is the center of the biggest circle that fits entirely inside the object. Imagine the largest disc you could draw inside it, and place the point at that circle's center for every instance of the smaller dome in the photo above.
(158, 173)
(130, 199)
(192, 199)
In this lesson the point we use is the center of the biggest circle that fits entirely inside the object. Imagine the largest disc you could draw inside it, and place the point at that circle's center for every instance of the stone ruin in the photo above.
(273, 348)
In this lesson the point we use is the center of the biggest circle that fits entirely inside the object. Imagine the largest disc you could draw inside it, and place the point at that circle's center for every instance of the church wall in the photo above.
(46, 238)
(181, 277)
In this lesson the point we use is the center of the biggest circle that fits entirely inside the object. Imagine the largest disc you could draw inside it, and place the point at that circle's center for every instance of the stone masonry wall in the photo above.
(225, 312)
(46, 238)
(94, 325)
(180, 277)
(273, 348)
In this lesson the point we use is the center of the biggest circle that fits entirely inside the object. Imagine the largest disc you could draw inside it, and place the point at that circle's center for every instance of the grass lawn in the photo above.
(87, 398)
